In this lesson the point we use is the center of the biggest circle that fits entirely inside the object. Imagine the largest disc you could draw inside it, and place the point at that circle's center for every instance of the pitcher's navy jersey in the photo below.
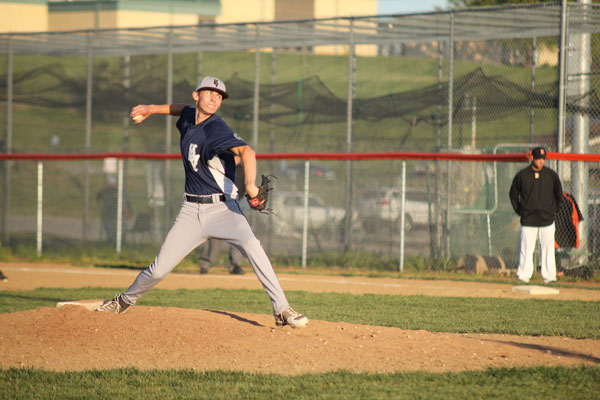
(208, 162)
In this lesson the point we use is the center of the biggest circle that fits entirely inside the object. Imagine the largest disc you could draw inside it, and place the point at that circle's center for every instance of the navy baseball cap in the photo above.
(213, 83)
(538, 152)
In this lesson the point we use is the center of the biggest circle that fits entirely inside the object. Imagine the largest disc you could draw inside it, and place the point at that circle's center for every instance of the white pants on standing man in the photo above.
(529, 236)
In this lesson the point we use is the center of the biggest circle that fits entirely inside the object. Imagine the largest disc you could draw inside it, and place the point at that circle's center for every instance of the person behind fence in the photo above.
(535, 195)
(108, 198)
(209, 252)
(209, 148)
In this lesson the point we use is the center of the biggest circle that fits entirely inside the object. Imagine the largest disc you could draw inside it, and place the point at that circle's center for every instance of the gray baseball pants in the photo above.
(193, 226)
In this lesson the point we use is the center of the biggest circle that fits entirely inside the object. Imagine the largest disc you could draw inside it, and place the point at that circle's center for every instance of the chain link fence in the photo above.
(492, 80)
(51, 214)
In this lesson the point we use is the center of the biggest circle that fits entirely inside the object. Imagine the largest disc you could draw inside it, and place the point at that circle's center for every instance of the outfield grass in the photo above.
(514, 383)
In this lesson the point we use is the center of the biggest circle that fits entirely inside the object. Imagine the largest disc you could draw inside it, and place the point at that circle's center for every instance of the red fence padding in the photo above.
(89, 156)
(394, 155)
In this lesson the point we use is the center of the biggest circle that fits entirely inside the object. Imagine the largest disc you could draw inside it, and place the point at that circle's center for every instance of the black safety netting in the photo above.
(307, 100)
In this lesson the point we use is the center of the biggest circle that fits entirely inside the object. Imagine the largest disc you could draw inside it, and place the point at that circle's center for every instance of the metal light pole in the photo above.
(578, 86)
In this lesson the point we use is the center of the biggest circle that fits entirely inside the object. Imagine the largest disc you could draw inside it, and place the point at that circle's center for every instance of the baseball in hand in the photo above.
(138, 118)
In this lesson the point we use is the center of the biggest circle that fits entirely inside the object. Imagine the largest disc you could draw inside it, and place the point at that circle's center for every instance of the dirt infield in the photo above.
(74, 338)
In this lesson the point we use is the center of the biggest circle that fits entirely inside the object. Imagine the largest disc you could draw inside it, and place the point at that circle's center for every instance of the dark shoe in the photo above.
(237, 270)
(3, 277)
(203, 270)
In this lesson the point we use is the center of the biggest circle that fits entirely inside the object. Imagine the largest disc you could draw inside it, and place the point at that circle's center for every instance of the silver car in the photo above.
(381, 207)
(288, 207)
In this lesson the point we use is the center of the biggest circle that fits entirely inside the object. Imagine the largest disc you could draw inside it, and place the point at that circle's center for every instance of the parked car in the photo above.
(288, 207)
(381, 206)
(296, 171)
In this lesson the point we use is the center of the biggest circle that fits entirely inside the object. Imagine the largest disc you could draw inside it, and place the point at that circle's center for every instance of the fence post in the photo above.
(402, 215)
(534, 60)
(8, 149)
(305, 214)
(450, 122)
(255, 102)
(40, 198)
(272, 138)
(88, 132)
(119, 205)
(560, 140)
(126, 123)
(349, 134)
(255, 109)
(450, 80)
(169, 130)
(272, 105)
(437, 240)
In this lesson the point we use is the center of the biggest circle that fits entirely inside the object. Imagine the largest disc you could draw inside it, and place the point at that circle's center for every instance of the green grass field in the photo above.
(515, 383)
(573, 319)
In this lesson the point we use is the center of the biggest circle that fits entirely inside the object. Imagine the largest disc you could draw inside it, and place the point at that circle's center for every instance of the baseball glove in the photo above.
(259, 202)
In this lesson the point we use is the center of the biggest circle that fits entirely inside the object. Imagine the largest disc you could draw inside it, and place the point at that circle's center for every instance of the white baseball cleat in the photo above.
(116, 305)
(291, 318)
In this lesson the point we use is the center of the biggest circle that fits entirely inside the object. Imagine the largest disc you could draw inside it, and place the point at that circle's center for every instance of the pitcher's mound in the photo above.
(71, 338)
(535, 290)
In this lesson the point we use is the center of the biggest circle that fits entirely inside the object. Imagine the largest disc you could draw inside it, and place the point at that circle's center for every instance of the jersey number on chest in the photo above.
(193, 157)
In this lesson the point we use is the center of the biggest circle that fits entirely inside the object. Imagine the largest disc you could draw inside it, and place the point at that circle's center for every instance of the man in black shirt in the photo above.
(535, 195)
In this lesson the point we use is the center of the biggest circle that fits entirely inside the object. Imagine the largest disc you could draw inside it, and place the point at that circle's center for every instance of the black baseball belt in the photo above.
(204, 199)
